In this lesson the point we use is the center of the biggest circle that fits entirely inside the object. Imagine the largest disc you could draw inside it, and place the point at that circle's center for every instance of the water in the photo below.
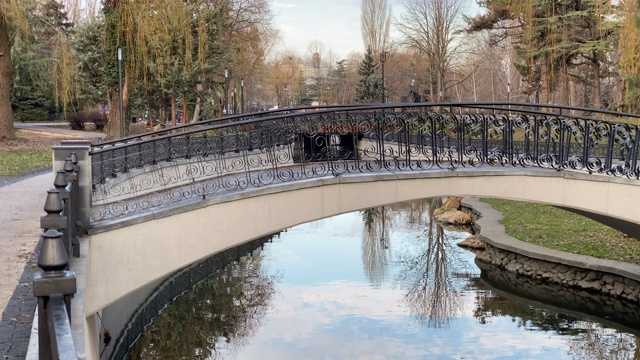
(386, 283)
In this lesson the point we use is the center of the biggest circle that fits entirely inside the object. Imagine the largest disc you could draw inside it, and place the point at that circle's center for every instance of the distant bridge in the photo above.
(225, 181)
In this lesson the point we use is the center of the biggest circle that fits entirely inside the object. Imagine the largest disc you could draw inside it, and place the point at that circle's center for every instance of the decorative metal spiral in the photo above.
(131, 177)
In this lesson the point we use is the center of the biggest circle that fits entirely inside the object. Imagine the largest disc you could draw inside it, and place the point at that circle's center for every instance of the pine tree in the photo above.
(369, 89)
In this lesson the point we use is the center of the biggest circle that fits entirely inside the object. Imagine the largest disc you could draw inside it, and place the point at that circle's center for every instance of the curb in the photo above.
(492, 231)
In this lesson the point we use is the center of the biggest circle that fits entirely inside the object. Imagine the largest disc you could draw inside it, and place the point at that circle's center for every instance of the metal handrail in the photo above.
(254, 152)
(55, 284)
(224, 119)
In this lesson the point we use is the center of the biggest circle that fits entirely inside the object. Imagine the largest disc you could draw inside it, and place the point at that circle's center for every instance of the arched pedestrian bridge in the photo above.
(157, 202)
(136, 175)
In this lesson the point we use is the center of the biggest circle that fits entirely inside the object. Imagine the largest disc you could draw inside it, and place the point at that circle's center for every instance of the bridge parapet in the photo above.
(227, 155)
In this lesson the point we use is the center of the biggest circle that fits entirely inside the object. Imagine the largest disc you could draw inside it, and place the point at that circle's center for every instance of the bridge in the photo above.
(157, 202)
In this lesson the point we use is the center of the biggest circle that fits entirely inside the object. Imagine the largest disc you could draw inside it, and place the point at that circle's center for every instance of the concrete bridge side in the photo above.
(128, 255)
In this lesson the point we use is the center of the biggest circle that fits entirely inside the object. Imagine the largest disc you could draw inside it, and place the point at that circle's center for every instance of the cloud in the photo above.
(282, 5)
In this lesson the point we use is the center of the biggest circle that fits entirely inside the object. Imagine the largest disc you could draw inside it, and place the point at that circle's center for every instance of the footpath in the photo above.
(21, 206)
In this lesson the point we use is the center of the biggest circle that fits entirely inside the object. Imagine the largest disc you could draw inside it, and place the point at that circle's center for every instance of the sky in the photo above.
(335, 23)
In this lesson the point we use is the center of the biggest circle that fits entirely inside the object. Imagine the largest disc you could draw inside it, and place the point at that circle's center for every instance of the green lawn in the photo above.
(23, 160)
(562, 230)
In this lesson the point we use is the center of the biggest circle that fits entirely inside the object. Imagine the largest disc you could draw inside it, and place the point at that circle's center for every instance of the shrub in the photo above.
(76, 120)
(100, 120)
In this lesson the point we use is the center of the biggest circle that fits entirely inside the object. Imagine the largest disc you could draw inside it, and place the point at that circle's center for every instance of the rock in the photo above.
(455, 217)
(452, 203)
(484, 257)
(472, 242)
(450, 212)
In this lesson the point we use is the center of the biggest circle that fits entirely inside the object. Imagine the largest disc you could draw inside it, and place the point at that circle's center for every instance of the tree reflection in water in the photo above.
(375, 243)
(597, 343)
(214, 319)
(425, 267)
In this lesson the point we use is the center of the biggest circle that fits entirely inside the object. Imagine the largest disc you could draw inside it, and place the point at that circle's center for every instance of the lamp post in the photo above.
(234, 102)
(383, 58)
(226, 92)
(509, 96)
(120, 85)
(242, 96)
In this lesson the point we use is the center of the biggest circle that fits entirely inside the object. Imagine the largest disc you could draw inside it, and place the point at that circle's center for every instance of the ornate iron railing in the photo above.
(232, 154)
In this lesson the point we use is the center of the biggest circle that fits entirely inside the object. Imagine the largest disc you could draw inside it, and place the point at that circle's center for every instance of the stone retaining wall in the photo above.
(566, 275)
(616, 279)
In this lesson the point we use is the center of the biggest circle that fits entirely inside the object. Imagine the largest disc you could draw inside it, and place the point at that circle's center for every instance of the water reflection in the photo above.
(539, 306)
(214, 319)
(383, 282)
(426, 270)
(375, 243)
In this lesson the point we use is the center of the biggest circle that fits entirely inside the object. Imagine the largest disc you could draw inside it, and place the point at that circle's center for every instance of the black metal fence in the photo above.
(195, 161)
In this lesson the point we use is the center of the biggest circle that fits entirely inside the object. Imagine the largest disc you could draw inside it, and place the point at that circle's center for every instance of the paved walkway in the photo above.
(55, 128)
(21, 206)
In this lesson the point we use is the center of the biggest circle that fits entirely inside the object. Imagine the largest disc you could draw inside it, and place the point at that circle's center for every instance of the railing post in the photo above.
(78, 150)
(70, 168)
(53, 206)
(52, 286)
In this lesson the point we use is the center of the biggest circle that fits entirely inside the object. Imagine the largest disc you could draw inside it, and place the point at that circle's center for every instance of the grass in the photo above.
(24, 160)
(562, 230)
(29, 152)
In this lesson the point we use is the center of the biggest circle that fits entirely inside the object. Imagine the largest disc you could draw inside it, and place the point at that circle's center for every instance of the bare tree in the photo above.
(429, 26)
(375, 22)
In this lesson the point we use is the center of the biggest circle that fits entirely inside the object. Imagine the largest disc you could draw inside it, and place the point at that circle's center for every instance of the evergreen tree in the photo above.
(88, 44)
(38, 86)
(369, 89)
(555, 41)
(337, 83)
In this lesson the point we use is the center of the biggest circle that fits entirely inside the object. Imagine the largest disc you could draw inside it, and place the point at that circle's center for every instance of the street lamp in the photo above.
(226, 91)
(383, 59)
(242, 96)
(120, 85)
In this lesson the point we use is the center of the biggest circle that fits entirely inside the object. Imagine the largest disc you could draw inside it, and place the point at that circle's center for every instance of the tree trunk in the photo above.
(597, 90)
(115, 128)
(185, 116)
(196, 110)
(173, 110)
(6, 75)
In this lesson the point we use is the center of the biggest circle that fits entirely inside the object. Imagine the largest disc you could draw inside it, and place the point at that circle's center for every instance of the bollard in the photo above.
(68, 168)
(60, 181)
(55, 218)
(74, 161)
(54, 287)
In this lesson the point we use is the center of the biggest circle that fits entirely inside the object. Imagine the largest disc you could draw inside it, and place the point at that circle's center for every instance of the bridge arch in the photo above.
(127, 255)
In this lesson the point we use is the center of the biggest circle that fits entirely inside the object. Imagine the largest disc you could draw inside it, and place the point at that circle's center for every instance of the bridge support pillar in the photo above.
(81, 148)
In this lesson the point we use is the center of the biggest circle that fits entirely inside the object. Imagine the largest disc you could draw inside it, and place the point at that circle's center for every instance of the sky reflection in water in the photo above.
(391, 290)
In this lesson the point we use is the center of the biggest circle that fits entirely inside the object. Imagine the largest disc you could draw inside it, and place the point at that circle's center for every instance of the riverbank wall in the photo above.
(617, 279)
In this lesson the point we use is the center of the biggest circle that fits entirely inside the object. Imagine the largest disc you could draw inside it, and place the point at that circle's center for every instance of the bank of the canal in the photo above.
(614, 278)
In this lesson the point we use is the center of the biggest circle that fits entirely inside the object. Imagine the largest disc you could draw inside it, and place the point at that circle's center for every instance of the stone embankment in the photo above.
(493, 246)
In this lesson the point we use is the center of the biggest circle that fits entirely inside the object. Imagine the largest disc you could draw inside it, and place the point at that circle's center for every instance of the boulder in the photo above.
(450, 212)
(472, 242)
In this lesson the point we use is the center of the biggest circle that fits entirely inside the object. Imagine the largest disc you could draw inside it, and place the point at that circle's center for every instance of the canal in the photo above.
(382, 283)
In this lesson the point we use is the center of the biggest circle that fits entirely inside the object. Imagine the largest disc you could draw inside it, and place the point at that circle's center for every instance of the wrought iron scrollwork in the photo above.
(251, 152)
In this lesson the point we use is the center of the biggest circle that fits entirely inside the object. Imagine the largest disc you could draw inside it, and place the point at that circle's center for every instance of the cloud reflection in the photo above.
(352, 320)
